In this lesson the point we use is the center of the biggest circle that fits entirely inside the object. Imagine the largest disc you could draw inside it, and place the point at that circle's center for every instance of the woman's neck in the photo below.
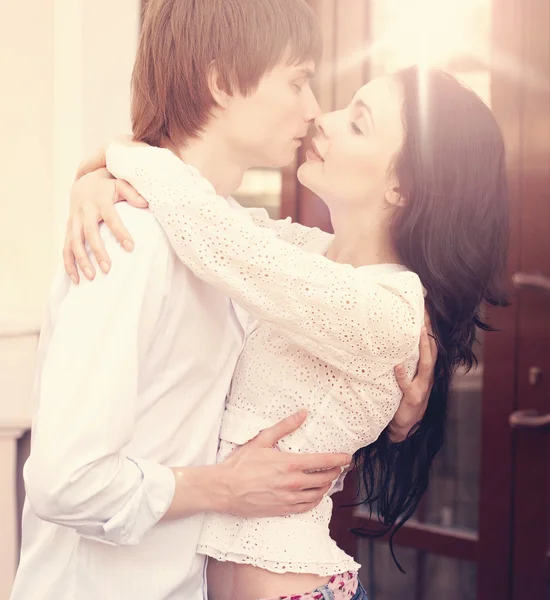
(362, 237)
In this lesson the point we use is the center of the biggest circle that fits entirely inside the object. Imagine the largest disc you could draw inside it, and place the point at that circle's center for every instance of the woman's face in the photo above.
(352, 153)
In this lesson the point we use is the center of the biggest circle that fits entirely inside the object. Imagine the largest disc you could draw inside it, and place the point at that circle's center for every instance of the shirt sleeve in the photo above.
(335, 311)
(289, 231)
(78, 474)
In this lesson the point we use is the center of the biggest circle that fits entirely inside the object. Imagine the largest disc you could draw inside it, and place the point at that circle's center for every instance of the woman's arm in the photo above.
(290, 231)
(333, 310)
(93, 198)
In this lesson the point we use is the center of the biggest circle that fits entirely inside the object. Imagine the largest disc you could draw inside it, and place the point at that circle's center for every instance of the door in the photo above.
(531, 422)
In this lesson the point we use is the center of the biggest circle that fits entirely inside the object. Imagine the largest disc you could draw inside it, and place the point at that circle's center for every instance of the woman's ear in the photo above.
(394, 195)
(395, 198)
(217, 88)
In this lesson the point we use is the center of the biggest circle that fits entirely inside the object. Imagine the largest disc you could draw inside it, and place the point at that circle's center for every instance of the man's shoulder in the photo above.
(140, 222)
(146, 232)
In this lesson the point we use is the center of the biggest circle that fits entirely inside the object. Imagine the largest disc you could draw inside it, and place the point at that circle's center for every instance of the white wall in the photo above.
(26, 161)
(65, 69)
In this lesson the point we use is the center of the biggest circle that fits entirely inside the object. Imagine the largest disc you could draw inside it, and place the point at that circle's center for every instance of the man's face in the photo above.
(266, 127)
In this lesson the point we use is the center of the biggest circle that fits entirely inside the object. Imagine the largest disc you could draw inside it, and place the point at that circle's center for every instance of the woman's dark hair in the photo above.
(452, 231)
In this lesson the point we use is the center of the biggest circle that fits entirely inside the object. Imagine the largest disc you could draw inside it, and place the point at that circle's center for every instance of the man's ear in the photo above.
(217, 86)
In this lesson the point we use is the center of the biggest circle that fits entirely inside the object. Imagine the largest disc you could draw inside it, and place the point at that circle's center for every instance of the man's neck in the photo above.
(215, 161)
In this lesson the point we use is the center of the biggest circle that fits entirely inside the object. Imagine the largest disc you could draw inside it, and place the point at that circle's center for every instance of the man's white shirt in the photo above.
(133, 371)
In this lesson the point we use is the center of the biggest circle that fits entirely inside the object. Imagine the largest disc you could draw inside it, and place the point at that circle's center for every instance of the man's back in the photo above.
(132, 375)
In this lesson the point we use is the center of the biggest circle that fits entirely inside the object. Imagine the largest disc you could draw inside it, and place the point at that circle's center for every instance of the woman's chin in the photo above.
(308, 175)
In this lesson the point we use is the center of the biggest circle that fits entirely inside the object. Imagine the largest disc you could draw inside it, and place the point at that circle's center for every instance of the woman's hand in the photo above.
(99, 160)
(93, 198)
(416, 393)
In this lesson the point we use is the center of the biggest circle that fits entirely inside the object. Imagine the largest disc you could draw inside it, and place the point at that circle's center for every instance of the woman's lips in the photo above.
(314, 154)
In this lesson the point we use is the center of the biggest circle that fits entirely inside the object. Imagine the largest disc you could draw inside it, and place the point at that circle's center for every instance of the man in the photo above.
(133, 368)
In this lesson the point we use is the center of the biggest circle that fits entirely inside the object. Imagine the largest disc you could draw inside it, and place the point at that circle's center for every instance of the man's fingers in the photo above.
(426, 361)
(319, 462)
(433, 348)
(270, 436)
(402, 378)
(301, 507)
(431, 337)
(318, 479)
(308, 496)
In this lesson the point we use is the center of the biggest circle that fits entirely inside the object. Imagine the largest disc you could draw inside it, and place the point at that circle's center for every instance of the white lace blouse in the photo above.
(323, 336)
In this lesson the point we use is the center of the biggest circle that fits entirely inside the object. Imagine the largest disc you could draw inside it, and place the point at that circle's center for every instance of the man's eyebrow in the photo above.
(360, 104)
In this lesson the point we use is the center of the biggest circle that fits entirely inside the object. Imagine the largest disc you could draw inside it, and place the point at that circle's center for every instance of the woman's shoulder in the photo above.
(392, 274)
(394, 312)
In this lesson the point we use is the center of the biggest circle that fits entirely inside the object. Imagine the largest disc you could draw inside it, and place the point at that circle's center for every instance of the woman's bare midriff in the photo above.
(230, 581)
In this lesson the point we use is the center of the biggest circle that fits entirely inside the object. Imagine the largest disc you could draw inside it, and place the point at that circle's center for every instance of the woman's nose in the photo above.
(330, 123)
(320, 124)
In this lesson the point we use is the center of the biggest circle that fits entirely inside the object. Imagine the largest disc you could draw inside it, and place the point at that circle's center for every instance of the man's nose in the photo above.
(313, 110)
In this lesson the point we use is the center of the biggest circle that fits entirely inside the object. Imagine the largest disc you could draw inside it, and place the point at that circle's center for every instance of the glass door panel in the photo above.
(427, 576)
(262, 188)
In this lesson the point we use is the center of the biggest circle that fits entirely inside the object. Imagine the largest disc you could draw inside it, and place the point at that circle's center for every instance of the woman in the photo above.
(418, 202)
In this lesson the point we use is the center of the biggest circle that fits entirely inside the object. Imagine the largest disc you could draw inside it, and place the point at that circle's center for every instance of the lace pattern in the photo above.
(323, 336)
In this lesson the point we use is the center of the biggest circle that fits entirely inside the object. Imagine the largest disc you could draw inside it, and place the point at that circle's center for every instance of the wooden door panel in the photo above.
(531, 497)
(499, 399)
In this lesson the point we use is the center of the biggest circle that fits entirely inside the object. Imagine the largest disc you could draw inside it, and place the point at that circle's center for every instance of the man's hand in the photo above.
(258, 480)
(416, 393)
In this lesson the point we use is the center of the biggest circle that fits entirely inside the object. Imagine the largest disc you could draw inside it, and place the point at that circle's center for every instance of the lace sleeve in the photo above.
(294, 233)
(335, 311)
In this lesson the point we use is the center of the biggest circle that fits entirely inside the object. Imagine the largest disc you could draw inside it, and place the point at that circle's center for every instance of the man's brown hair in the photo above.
(181, 39)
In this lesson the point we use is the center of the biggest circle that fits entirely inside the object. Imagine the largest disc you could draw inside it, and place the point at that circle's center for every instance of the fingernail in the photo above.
(127, 245)
(74, 279)
(104, 266)
(88, 272)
